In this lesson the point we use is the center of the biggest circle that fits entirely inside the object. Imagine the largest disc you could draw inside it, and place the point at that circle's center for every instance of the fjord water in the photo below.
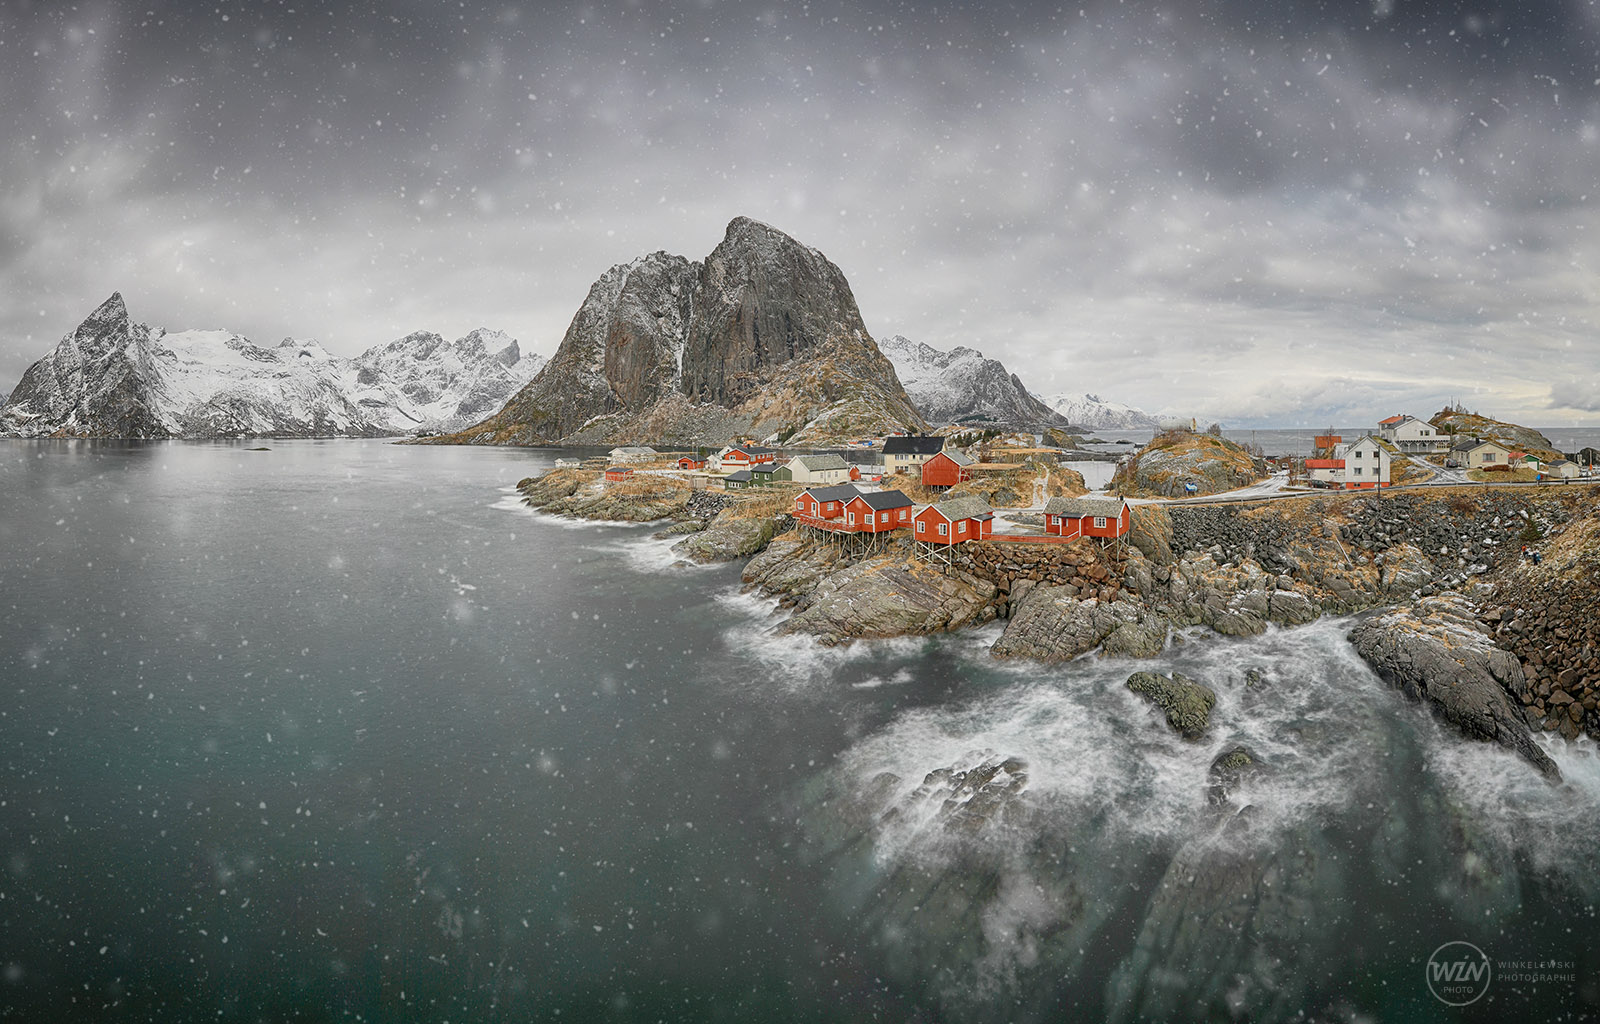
(339, 731)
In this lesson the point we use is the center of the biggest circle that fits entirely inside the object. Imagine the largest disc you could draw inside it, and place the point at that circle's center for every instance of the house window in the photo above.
(1099, 522)
(944, 528)
(922, 527)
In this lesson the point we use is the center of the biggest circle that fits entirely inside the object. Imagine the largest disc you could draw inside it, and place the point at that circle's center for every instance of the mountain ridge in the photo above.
(114, 377)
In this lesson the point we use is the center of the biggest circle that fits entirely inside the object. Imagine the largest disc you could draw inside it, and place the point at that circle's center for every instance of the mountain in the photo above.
(763, 339)
(962, 386)
(114, 377)
(1095, 412)
(422, 382)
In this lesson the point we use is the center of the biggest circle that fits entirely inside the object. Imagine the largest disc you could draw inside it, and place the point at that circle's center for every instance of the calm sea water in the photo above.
(338, 731)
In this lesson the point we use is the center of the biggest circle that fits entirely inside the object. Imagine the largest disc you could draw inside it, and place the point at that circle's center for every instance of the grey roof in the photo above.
(816, 463)
(838, 492)
(959, 458)
(881, 501)
(1080, 507)
(969, 507)
(913, 444)
(741, 476)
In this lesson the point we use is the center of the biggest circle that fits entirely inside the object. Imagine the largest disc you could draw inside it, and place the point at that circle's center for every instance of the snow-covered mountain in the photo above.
(962, 385)
(1094, 411)
(114, 377)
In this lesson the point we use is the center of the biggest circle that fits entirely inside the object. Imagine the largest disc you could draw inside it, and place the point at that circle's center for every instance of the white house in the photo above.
(1362, 464)
(1410, 434)
(818, 470)
(905, 453)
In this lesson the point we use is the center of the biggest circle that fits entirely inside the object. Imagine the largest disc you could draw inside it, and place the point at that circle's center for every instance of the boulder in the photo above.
(1437, 652)
(728, 538)
(1187, 704)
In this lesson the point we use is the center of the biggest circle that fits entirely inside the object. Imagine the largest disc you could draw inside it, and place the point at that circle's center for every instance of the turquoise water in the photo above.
(338, 731)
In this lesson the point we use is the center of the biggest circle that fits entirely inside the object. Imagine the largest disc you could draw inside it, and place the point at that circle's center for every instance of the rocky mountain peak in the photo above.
(759, 338)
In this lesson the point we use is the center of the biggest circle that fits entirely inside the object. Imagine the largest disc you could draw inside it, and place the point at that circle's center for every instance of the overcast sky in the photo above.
(1271, 212)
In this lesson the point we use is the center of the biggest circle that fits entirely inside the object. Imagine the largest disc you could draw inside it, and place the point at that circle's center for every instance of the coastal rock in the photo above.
(1052, 624)
(1228, 769)
(728, 537)
(890, 595)
(1437, 652)
(1186, 703)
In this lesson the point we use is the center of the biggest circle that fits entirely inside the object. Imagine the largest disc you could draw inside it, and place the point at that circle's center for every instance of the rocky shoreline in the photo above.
(1495, 646)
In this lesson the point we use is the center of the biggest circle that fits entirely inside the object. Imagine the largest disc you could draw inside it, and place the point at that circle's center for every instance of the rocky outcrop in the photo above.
(838, 598)
(1186, 703)
(1172, 462)
(729, 536)
(113, 377)
(764, 338)
(962, 386)
(583, 494)
(1437, 652)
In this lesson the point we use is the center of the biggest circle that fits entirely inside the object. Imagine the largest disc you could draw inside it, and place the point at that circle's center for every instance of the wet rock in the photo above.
(1052, 624)
(1437, 652)
(1228, 770)
(890, 595)
(728, 538)
(1187, 704)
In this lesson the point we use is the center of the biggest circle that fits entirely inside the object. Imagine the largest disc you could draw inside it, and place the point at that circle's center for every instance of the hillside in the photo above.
(1162, 468)
(1518, 438)
(763, 339)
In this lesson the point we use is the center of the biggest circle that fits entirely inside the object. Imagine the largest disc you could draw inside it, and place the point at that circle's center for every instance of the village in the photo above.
(927, 488)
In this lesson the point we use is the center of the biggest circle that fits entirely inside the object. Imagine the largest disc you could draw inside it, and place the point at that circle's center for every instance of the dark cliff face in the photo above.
(662, 336)
(765, 300)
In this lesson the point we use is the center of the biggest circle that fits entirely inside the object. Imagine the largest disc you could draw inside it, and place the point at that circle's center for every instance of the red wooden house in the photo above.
(1106, 518)
(743, 456)
(878, 512)
(823, 503)
(618, 473)
(946, 469)
(955, 521)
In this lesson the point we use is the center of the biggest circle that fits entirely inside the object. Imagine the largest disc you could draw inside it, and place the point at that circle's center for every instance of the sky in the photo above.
(1263, 212)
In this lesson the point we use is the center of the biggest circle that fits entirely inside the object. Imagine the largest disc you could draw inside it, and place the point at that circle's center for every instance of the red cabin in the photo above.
(618, 473)
(946, 469)
(1087, 517)
(823, 502)
(955, 521)
(878, 512)
(743, 456)
(690, 462)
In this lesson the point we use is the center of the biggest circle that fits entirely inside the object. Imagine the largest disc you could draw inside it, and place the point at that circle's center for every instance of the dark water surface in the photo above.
(338, 732)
